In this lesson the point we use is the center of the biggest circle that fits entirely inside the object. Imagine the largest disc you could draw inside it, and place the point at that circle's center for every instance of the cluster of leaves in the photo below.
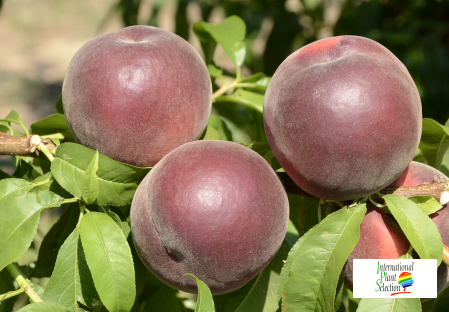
(88, 253)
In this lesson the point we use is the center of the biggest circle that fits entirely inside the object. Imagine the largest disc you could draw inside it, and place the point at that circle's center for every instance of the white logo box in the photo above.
(380, 278)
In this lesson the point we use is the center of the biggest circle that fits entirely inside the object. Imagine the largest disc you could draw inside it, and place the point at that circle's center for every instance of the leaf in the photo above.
(259, 80)
(26, 171)
(117, 182)
(55, 123)
(211, 134)
(3, 289)
(228, 34)
(420, 230)
(260, 295)
(319, 261)
(90, 181)
(164, 299)
(12, 117)
(4, 175)
(214, 71)
(218, 124)
(434, 142)
(427, 203)
(285, 272)
(247, 98)
(52, 185)
(208, 44)
(71, 280)
(59, 108)
(43, 307)
(339, 295)
(389, 305)
(110, 262)
(205, 302)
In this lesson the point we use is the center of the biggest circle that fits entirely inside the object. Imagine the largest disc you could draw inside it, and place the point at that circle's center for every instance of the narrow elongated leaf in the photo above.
(71, 280)
(247, 98)
(434, 142)
(229, 34)
(222, 129)
(208, 44)
(90, 181)
(205, 302)
(420, 230)
(110, 262)
(53, 241)
(211, 134)
(427, 203)
(117, 182)
(389, 305)
(260, 295)
(55, 123)
(44, 307)
(319, 260)
(26, 171)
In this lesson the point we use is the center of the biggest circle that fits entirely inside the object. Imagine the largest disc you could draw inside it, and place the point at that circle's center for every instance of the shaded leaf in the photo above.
(26, 171)
(214, 71)
(319, 261)
(59, 108)
(71, 280)
(420, 230)
(55, 123)
(110, 261)
(211, 134)
(117, 182)
(222, 129)
(434, 142)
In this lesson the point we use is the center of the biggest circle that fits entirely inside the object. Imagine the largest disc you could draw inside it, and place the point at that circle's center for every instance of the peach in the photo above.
(343, 117)
(137, 94)
(214, 209)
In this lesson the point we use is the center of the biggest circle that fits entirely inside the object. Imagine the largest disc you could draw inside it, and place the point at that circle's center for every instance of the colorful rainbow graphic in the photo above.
(405, 279)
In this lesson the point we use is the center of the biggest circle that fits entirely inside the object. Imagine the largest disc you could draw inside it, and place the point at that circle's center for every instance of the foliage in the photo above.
(89, 255)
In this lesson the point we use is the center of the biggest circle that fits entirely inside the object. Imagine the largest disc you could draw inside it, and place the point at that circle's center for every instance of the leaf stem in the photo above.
(69, 200)
(24, 128)
(23, 283)
(11, 294)
(46, 152)
(82, 208)
(58, 136)
(224, 88)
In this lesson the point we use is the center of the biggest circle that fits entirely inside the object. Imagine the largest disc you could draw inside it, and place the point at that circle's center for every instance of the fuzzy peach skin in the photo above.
(343, 117)
(214, 209)
(380, 235)
(137, 94)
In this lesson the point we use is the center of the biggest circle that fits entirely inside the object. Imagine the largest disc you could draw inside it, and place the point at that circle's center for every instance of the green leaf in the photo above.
(55, 123)
(389, 305)
(420, 230)
(211, 134)
(90, 181)
(53, 241)
(339, 295)
(229, 34)
(110, 262)
(427, 203)
(3, 289)
(319, 261)
(4, 175)
(59, 108)
(285, 272)
(71, 280)
(44, 307)
(205, 302)
(218, 124)
(434, 142)
(26, 171)
(247, 98)
(164, 299)
(214, 71)
(208, 44)
(117, 182)
(12, 117)
(259, 80)
(260, 295)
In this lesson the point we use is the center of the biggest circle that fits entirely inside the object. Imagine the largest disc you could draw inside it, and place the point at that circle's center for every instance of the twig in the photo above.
(23, 283)
(24, 146)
